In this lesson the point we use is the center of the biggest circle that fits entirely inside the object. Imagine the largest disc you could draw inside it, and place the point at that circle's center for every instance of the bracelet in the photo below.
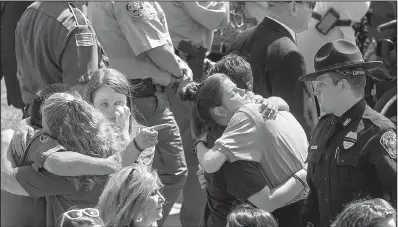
(194, 151)
(136, 146)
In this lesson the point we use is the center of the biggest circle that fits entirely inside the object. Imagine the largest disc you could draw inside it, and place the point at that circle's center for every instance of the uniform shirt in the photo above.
(280, 145)
(350, 158)
(129, 29)
(54, 43)
(195, 21)
(230, 186)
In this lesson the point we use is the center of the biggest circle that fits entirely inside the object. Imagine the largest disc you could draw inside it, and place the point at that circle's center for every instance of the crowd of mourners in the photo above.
(124, 112)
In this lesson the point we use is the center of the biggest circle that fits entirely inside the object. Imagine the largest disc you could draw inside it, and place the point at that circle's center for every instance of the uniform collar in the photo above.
(291, 32)
(354, 113)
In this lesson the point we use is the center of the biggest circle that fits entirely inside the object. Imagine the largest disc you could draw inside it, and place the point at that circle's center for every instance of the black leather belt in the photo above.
(144, 87)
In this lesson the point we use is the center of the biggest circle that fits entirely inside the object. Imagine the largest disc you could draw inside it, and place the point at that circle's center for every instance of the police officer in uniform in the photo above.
(136, 38)
(55, 43)
(352, 153)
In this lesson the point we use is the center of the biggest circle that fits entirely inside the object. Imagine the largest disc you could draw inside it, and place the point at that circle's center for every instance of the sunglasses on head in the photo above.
(75, 214)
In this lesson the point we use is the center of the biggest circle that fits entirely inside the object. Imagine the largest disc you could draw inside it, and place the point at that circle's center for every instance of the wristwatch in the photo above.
(194, 151)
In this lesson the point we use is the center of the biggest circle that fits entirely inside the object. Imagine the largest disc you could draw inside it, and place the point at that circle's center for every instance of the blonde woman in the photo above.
(78, 127)
(132, 198)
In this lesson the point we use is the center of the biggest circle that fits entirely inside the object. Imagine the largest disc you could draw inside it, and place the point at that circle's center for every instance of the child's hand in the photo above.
(148, 137)
(123, 118)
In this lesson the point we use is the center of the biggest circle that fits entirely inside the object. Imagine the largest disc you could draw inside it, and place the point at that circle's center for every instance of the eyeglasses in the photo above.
(76, 214)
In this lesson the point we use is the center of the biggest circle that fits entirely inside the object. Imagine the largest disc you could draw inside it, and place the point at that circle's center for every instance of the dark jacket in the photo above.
(351, 157)
(277, 64)
(11, 12)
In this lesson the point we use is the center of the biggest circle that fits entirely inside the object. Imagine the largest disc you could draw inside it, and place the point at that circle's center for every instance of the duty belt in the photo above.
(144, 88)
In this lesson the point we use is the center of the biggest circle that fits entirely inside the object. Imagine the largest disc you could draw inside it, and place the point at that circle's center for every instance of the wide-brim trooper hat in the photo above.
(338, 55)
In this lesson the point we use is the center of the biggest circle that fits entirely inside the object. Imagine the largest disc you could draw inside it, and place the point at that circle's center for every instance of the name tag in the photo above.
(314, 147)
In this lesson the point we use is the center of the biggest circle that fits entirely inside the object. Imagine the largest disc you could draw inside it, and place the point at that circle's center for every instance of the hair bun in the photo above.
(189, 92)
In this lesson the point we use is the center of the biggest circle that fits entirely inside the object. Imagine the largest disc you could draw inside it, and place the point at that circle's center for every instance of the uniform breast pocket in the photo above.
(314, 156)
(347, 170)
(315, 167)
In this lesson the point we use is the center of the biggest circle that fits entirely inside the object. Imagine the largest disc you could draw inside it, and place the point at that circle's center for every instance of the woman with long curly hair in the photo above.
(132, 198)
(108, 91)
(78, 127)
(81, 128)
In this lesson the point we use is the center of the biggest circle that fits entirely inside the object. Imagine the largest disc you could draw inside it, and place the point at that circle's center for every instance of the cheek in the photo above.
(152, 205)
(232, 104)
(329, 95)
(108, 111)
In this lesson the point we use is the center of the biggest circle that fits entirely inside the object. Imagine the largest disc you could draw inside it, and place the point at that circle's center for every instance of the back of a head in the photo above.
(365, 213)
(80, 218)
(42, 95)
(126, 193)
(246, 215)
(237, 69)
(81, 128)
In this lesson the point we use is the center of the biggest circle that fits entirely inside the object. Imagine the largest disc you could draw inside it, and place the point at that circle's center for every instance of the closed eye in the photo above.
(104, 105)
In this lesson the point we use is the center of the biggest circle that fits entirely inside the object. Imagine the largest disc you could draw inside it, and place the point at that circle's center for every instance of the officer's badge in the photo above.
(43, 138)
(389, 142)
(349, 140)
(135, 9)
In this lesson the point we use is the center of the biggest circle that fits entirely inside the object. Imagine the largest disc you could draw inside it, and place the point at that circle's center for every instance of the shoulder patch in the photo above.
(84, 39)
(389, 141)
(135, 9)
